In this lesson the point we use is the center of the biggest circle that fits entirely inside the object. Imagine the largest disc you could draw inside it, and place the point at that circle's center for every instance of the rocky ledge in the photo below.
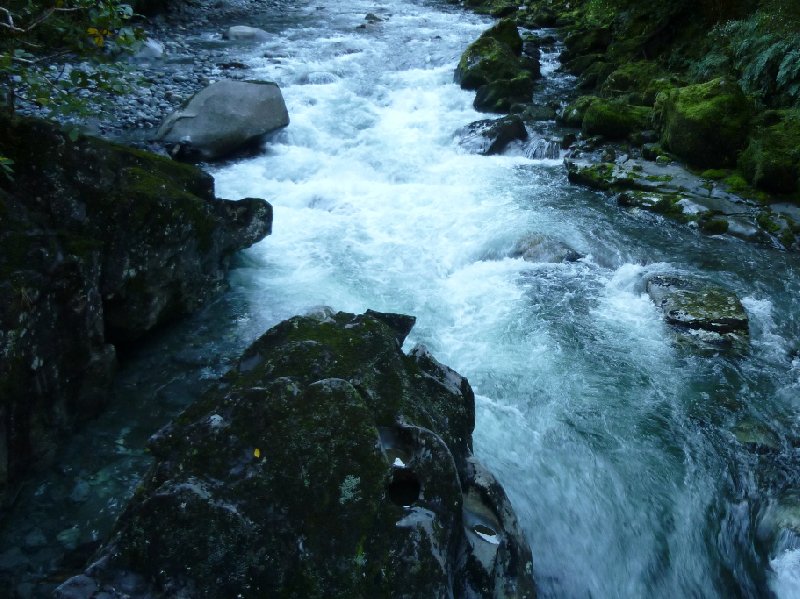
(327, 463)
(99, 244)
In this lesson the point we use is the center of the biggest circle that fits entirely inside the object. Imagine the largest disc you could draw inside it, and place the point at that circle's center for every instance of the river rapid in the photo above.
(617, 446)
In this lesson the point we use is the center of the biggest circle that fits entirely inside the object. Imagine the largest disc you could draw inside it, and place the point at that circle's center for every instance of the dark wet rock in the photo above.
(494, 8)
(99, 245)
(501, 95)
(706, 315)
(756, 435)
(246, 33)
(326, 463)
(540, 248)
(223, 118)
(492, 136)
(704, 124)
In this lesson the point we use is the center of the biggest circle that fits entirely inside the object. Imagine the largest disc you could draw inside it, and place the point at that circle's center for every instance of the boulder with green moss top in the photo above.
(327, 463)
(638, 82)
(493, 66)
(615, 120)
(572, 115)
(704, 124)
(771, 160)
(705, 315)
(99, 244)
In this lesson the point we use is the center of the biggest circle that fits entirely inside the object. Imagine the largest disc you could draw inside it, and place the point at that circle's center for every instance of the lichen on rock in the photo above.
(327, 463)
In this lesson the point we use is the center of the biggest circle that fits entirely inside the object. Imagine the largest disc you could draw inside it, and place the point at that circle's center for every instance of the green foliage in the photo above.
(50, 52)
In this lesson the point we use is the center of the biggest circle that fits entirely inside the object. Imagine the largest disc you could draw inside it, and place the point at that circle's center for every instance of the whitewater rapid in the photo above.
(615, 446)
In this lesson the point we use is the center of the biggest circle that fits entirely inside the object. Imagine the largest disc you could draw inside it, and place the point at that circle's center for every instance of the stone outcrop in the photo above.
(224, 117)
(705, 315)
(492, 136)
(99, 244)
(327, 463)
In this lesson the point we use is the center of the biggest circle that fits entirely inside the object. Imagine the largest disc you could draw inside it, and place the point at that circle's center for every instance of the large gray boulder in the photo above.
(328, 463)
(224, 117)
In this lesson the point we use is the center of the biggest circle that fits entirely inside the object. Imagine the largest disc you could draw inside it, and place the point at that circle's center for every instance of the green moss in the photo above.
(614, 120)
(505, 31)
(704, 124)
(713, 225)
(715, 174)
(736, 182)
(487, 60)
(572, 115)
(767, 222)
(771, 160)
(498, 96)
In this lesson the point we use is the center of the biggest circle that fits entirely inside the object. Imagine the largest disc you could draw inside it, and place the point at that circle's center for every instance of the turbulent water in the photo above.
(617, 447)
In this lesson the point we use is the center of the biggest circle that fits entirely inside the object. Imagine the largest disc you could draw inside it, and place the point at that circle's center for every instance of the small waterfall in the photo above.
(543, 149)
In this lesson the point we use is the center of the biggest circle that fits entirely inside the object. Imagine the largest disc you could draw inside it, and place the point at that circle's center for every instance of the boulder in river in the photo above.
(492, 136)
(99, 244)
(540, 248)
(327, 463)
(706, 315)
(246, 33)
(224, 117)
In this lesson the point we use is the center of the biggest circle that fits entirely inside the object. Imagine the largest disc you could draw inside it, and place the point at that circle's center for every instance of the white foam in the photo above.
(784, 579)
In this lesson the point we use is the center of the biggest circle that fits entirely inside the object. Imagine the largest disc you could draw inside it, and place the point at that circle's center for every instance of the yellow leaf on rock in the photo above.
(257, 452)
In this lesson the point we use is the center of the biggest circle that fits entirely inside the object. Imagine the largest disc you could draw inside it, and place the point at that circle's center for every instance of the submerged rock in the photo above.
(540, 248)
(246, 33)
(99, 244)
(224, 117)
(705, 315)
(326, 463)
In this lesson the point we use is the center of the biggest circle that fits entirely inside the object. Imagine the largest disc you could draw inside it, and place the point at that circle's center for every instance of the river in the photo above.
(616, 445)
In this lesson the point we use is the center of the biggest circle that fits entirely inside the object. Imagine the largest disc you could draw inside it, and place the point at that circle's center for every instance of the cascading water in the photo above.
(617, 447)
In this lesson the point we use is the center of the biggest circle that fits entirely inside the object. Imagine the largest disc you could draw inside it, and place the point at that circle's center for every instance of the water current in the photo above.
(617, 446)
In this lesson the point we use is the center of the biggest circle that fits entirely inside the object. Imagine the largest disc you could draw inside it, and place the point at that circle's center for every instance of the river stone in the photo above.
(707, 314)
(327, 463)
(245, 33)
(543, 249)
(224, 117)
(492, 136)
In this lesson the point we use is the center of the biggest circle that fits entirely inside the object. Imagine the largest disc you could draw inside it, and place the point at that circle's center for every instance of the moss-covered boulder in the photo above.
(493, 66)
(615, 120)
(704, 315)
(327, 463)
(499, 96)
(771, 160)
(572, 115)
(638, 82)
(704, 124)
(494, 8)
(99, 244)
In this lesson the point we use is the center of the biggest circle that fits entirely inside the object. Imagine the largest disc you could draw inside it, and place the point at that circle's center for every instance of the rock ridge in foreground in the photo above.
(327, 463)
(99, 245)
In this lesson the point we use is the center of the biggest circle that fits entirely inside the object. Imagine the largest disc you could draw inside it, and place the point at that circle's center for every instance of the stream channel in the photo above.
(620, 449)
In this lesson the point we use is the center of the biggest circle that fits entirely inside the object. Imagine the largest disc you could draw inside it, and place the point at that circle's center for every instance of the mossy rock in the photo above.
(614, 120)
(487, 60)
(638, 82)
(704, 124)
(771, 160)
(327, 463)
(572, 115)
(494, 8)
(500, 95)
(505, 31)
(594, 75)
